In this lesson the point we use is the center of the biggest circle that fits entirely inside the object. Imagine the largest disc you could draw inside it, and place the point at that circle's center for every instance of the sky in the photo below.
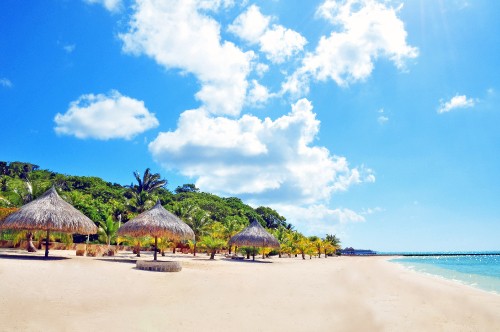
(374, 120)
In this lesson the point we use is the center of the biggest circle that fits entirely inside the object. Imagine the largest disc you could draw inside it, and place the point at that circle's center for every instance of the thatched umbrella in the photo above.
(49, 213)
(255, 236)
(157, 222)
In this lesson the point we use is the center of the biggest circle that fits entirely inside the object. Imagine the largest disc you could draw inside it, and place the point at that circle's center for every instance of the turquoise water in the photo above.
(482, 271)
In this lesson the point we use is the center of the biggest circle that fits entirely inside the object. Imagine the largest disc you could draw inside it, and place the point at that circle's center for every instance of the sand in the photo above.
(333, 294)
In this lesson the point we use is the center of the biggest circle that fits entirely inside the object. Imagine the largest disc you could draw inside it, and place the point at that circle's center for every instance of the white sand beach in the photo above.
(288, 294)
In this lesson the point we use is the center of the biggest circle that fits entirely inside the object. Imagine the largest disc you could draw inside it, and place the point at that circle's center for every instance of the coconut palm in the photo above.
(303, 246)
(280, 234)
(212, 244)
(107, 230)
(164, 244)
(199, 222)
(137, 243)
(333, 240)
(231, 227)
(149, 182)
(317, 243)
(328, 248)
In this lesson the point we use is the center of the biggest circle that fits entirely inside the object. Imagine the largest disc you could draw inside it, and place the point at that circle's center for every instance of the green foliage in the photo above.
(211, 244)
(186, 188)
(107, 230)
(103, 202)
(148, 183)
(272, 218)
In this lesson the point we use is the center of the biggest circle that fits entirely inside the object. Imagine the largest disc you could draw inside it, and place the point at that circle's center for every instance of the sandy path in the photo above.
(334, 294)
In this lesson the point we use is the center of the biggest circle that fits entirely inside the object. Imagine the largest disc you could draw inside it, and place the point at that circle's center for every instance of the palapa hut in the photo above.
(49, 213)
(254, 236)
(157, 222)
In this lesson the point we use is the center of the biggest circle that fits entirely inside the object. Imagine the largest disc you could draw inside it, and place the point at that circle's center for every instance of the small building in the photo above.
(350, 251)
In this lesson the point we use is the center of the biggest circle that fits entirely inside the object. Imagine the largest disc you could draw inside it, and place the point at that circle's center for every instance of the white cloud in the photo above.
(5, 82)
(105, 117)
(250, 25)
(382, 119)
(69, 48)
(276, 42)
(178, 34)
(111, 5)
(318, 219)
(367, 30)
(259, 160)
(261, 69)
(258, 94)
(456, 102)
(370, 211)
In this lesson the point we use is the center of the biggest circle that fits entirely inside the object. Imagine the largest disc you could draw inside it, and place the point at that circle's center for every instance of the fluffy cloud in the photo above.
(179, 34)
(5, 82)
(318, 219)
(105, 117)
(111, 5)
(258, 94)
(276, 42)
(367, 30)
(382, 119)
(259, 160)
(456, 102)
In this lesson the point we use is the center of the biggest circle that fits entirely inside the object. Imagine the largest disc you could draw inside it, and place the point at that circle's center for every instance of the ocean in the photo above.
(480, 270)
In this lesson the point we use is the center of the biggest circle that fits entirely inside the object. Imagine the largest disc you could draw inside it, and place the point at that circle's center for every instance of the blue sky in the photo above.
(374, 120)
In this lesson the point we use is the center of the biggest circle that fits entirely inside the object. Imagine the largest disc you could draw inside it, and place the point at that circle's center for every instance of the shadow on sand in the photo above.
(117, 260)
(32, 258)
(249, 261)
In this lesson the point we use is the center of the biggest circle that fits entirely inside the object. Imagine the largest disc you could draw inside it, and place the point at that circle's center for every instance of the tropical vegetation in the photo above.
(214, 219)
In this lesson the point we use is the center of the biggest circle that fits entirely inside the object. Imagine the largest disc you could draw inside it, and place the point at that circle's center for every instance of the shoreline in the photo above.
(72, 293)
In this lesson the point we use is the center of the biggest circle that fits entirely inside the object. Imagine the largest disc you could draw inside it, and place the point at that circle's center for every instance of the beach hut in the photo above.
(49, 213)
(254, 236)
(157, 222)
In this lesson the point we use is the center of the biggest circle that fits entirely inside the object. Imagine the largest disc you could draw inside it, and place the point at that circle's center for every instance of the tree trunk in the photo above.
(230, 247)
(156, 247)
(47, 244)
(279, 254)
(173, 250)
(30, 247)
(248, 254)
(303, 256)
(194, 249)
(253, 254)
(212, 254)
(138, 250)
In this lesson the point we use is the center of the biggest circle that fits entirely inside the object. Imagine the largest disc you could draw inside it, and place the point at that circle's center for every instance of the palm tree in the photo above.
(149, 182)
(141, 202)
(199, 222)
(231, 227)
(316, 243)
(280, 234)
(164, 244)
(107, 230)
(328, 248)
(137, 243)
(303, 246)
(212, 245)
(141, 192)
(333, 240)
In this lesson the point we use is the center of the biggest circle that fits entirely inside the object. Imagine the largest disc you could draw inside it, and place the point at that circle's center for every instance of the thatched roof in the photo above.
(256, 236)
(50, 212)
(157, 222)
